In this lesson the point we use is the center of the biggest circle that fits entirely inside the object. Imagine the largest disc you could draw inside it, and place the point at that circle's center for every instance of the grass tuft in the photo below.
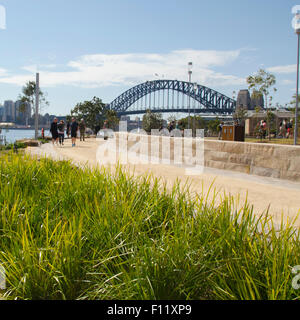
(82, 233)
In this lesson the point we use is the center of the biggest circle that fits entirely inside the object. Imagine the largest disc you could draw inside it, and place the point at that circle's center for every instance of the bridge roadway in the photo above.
(174, 110)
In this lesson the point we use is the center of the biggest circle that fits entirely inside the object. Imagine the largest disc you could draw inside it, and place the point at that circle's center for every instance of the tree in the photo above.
(261, 83)
(200, 123)
(271, 123)
(240, 114)
(213, 125)
(111, 118)
(152, 121)
(172, 118)
(94, 113)
(28, 97)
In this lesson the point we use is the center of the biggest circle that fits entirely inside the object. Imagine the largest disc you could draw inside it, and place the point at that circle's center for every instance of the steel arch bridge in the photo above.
(209, 100)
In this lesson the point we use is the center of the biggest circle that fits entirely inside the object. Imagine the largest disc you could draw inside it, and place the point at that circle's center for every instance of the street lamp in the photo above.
(190, 67)
(194, 120)
(297, 30)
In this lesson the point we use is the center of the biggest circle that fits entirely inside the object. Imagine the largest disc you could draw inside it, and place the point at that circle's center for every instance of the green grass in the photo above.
(11, 146)
(71, 233)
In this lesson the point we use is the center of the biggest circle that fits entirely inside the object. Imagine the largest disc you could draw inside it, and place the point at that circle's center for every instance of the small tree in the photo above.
(28, 98)
(212, 125)
(240, 114)
(94, 113)
(261, 82)
(152, 121)
(270, 118)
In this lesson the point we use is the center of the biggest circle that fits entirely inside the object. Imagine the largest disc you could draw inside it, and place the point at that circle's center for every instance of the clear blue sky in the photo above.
(102, 48)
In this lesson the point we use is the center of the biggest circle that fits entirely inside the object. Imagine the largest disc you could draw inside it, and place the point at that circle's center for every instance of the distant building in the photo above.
(254, 119)
(1, 113)
(257, 100)
(243, 99)
(250, 103)
(9, 111)
(22, 112)
(125, 118)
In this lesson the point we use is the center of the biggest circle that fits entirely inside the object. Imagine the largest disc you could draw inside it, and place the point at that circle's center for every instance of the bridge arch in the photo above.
(211, 100)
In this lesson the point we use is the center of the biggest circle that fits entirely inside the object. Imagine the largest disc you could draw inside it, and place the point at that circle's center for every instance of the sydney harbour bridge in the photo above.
(172, 96)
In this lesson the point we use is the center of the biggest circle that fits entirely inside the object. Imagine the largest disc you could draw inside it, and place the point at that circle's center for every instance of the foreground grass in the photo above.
(70, 233)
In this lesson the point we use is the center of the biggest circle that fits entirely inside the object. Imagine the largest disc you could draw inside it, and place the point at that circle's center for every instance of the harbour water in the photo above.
(12, 135)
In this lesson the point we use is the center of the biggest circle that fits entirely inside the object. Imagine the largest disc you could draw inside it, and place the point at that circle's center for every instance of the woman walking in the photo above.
(74, 129)
(61, 132)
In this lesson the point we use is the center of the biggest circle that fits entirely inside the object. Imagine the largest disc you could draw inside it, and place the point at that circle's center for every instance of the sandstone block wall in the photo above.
(270, 160)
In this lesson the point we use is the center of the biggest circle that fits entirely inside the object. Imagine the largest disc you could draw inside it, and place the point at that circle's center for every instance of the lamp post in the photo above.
(297, 30)
(194, 120)
(190, 66)
(37, 95)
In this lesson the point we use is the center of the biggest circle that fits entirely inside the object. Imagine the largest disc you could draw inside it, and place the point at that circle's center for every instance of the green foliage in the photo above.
(213, 125)
(261, 83)
(152, 121)
(80, 233)
(94, 113)
(28, 96)
(240, 114)
(200, 123)
(13, 146)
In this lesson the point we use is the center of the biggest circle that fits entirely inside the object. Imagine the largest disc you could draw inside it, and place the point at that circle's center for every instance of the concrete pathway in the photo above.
(280, 196)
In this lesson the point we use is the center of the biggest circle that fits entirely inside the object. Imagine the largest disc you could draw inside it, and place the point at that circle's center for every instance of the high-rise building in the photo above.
(9, 111)
(1, 112)
(23, 111)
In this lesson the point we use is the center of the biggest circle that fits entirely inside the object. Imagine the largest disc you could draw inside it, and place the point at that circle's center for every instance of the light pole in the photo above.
(37, 95)
(190, 67)
(297, 30)
(194, 120)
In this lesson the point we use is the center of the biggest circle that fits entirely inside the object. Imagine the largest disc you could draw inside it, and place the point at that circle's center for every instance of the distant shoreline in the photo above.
(29, 129)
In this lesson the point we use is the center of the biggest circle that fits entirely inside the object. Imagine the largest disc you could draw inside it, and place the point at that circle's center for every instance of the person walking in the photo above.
(264, 127)
(61, 132)
(289, 129)
(74, 128)
(82, 128)
(54, 131)
(220, 130)
(68, 129)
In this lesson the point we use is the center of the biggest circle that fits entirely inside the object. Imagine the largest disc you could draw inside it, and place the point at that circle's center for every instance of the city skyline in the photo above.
(11, 111)
(100, 48)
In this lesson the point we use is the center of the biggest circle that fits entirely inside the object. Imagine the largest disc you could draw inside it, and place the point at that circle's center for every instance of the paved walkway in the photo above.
(280, 196)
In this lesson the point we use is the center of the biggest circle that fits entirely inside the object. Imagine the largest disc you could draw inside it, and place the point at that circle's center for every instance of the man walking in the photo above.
(54, 131)
(68, 129)
(220, 130)
(74, 128)
(82, 128)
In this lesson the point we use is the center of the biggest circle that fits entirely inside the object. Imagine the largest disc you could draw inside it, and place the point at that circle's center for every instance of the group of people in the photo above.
(286, 129)
(57, 131)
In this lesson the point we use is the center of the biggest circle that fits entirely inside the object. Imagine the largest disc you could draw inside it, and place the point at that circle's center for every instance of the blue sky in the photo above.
(102, 48)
